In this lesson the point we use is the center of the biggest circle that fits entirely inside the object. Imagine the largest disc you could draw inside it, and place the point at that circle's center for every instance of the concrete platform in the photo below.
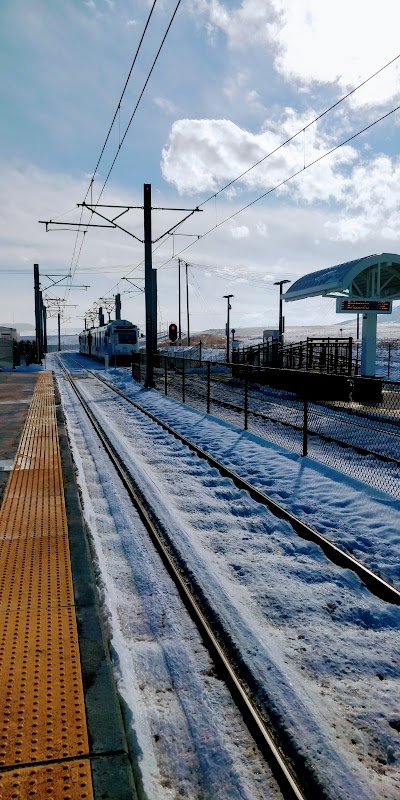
(16, 390)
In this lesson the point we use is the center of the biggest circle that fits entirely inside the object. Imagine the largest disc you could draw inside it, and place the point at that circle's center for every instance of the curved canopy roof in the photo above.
(370, 277)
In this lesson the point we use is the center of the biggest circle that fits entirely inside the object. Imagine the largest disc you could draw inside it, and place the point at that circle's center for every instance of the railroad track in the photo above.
(295, 777)
(377, 585)
(292, 786)
(374, 582)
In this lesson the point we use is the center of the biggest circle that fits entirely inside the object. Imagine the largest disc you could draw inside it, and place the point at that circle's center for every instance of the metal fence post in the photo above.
(350, 358)
(305, 426)
(389, 348)
(166, 375)
(183, 380)
(246, 398)
(208, 385)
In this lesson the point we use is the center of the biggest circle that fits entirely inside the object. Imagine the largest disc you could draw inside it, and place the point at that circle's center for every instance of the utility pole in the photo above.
(281, 319)
(187, 305)
(38, 314)
(44, 322)
(117, 306)
(149, 289)
(150, 274)
(179, 302)
(228, 297)
(59, 330)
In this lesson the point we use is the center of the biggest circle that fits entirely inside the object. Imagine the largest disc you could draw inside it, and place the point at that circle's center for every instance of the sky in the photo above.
(233, 81)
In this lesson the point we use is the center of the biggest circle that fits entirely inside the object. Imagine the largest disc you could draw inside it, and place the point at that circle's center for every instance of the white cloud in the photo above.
(165, 105)
(341, 42)
(130, 22)
(250, 22)
(239, 231)
(372, 202)
(314, 41)
(234, 84)
(253, 100)
(203, 154)
(262, 229)
(263, 244)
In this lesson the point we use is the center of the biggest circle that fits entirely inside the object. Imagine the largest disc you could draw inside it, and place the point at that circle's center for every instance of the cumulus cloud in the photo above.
(309, 34)
(203, 154)
(372, 202)
(312, 41)
(360, 189)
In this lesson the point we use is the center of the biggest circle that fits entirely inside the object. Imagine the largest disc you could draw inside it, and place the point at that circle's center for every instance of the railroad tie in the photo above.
(44, 750)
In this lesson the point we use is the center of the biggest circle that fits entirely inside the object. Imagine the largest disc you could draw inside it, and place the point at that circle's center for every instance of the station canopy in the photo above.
(371, 277)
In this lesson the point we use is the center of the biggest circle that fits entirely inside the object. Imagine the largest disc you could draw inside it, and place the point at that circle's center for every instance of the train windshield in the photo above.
(127, 337)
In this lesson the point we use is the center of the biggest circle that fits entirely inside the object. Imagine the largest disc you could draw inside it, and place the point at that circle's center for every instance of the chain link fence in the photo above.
(359, 437)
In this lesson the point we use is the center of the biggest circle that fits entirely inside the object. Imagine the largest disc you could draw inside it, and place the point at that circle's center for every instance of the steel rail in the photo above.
(377, 585)
(288, 781)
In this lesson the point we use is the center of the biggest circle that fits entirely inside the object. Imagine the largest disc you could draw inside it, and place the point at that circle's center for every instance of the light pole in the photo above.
(228, 297)
(281, 323)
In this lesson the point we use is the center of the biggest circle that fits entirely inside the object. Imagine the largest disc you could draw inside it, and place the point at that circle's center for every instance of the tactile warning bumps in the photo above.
(42, 713)
(69, 781)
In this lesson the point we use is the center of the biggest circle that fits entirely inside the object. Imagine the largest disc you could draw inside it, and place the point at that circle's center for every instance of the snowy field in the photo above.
(322, 649)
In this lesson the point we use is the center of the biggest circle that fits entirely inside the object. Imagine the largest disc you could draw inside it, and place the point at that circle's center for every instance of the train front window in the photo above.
(127, 337)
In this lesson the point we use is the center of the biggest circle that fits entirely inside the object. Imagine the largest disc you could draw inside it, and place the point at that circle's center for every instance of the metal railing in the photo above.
(341, 434)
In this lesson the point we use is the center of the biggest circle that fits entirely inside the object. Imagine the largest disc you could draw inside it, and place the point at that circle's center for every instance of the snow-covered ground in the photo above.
(320, 646)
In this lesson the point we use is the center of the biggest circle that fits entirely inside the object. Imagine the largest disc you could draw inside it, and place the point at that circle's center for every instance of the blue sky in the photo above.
(233, 80)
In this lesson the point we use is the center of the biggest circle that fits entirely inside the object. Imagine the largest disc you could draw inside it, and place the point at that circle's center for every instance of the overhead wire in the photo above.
(279, 147)
(118, 109)
(284, 182)
(268, 155)
(140, 97)
(301, 130)
(128, 126)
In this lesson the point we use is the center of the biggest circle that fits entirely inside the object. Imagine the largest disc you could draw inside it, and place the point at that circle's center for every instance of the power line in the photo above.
(268, 155)
(286, 180)
(302, 130)
(128, 126)
(140, 97)
(122, 95)
(279, 147)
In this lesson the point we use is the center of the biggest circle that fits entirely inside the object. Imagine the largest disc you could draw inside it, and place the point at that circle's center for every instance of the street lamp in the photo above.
(281, 325)
(228, 297)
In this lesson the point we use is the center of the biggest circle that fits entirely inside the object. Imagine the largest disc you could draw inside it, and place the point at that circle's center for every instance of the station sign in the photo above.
(353, 305)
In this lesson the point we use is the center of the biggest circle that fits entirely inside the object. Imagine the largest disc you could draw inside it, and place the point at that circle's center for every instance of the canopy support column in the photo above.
(368, 349)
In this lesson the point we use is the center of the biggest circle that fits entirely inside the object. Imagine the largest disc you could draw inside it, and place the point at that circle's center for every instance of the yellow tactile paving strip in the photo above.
(42, 711)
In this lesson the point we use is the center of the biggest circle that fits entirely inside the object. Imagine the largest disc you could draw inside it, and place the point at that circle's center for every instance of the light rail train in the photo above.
(117, 340)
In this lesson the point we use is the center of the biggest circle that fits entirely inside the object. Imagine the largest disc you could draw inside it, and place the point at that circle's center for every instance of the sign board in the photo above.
(353, 305)
(270, 333)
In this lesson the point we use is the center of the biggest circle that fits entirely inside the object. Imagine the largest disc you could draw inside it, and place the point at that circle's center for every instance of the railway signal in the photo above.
(173, 332)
